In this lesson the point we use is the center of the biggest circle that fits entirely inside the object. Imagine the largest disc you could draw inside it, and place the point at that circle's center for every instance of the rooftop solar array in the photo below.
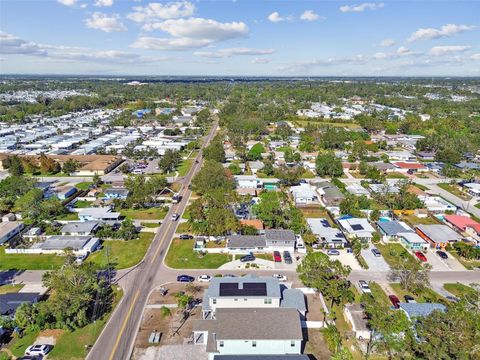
(357, 227)
(245, 289)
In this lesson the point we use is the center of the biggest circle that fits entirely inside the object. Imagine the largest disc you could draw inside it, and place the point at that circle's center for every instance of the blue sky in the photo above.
(256, 37)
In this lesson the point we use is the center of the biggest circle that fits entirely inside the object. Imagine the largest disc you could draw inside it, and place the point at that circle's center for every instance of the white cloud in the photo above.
(275, 17)
(158, 11)
(448, 49)
(402, 50)
(190, 33)
(445, 31)
(475, 57)
(103, 3)
(67, 2)
(309, 15)
(361, 7)
(227, 53)
(13, 45)
(261, 61)
(104, 22)
(387, 42)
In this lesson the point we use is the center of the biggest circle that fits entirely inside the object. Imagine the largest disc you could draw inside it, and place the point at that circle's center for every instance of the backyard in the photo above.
(181, 256)
(122, 254)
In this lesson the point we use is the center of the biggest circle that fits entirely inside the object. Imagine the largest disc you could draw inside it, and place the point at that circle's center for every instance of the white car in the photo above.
(364, 287)
(38, 350)
(175, 217)
(280, 277)
(204, 278)
(80, 259)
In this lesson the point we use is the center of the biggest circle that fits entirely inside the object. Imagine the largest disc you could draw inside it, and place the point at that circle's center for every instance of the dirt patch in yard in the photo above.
(316, 345)
(49, 336)
(315, 308)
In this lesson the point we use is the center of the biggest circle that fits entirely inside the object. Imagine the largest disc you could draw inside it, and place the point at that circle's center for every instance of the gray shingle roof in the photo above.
(287, 235)
(439, 233)
(80, 227)
(293, 298)
(421, 309)
(392, 227)
(246, 241)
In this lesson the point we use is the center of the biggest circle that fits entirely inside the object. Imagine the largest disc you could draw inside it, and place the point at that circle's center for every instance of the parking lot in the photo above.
(376, 263)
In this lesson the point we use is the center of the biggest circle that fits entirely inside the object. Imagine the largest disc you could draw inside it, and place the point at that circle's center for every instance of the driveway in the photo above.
(374, 263)
(346, 259)
(439, 264)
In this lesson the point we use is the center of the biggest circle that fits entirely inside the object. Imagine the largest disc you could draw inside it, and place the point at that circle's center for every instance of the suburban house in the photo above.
(409, 166)
(116, 193)
(357, 190)
(250, 331)
(329, 193)
(64, 192)
(473, 189)
(390, 230)
(415, 310)
(356, 316)
(331, 237)
(357, 227)
(437, 205)
(248, 181)
(383, 189)
(9, 229)
(438, 236)
(426, 155)
(461, 223)
(304, 194)
(97, 214)
(80, 228)
(9, 302)
(412, 241)
(255, 166)
(271, 240)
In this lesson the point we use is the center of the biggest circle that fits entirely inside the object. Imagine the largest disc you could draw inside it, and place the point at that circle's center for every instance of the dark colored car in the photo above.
(420, 256)
(394, 300)
(376, 252)
(186, 237)
(276, 256)
(247, 258)
(185, 278)
(409, 299)
(442, 254)
(287, 257)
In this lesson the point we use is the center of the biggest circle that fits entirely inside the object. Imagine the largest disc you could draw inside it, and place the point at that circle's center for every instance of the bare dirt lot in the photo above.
(157, 298)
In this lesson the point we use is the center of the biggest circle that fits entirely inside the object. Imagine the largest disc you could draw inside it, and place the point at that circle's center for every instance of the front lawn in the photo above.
(427, 294)
(459, 290)
(181, 256)
(395, 175)
(414, 220)
(30, 261)
(468, 264)
(72, 345)
(122, 254)
(156, 213)
(20, 345)
(83, 185)
(379, 294)
(81, 204)
(150, 224)
(393, 252)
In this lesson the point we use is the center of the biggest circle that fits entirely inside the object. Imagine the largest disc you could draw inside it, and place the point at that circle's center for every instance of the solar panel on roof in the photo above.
(357, 227)
(245, 289)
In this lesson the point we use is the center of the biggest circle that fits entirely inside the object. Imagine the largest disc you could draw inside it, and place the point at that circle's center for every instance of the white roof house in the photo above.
(304, 194)
(357, 227)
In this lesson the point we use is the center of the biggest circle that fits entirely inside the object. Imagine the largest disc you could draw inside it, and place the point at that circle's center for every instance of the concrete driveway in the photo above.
(346, 259)
(439, 264)
(374, 263)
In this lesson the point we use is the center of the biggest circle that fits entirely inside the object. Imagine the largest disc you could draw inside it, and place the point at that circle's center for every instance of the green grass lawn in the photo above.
(184, 167)
(392, 252)
(414, 220)
(81, 204)
(68, 216)
(459, 290)
(183, 228)
(181, 256)
(30, 261)
(71, 345)
(478, 205)
(346, 125)
(122, 254)
(453, 189)
(150, 225)
(157, 213)
(427, 294)
(468, 264)
(83, 185)
(20, 345)
(379, 294)
(6, 289)
(396, 175)
(421, 187)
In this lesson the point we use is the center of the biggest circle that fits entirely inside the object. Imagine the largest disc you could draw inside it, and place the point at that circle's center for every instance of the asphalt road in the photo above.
(117, 338)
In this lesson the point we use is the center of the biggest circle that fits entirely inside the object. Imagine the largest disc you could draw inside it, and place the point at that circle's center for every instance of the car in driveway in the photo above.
(364, 287)
(333, 252)
(394, 300)
(420, 256)
(185, 237)
(229, 276)
(442, 254)
(80, 259)
(185, 278)
(287, 257)
(279, 277)
(376, 252)
(409, 299)
(247, 258)
(38, 350)
(204, 278)
(276, 256)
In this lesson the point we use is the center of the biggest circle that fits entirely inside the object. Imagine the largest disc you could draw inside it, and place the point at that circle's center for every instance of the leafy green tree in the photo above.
(255, 153)
(169, 161)
(235, 169)
(70, 166)
(332, 337)
(410, 273)
(29, 203)
(97, 180)
(327, 164)
(15, 166)
(215, 150)
(48, 165)
(211, 176)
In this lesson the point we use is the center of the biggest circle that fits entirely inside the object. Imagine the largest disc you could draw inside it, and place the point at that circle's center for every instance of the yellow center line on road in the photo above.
(122, 329)
(161, 242)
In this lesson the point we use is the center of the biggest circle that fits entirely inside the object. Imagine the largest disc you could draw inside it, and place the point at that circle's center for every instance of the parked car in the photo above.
(229, 276)
(287, 257)
(185, 278)
(364, 287)
(185, 237)
(31, 357)
(175, 216)
(409, 299)
(276, 256)
(247, 258)
(376, 252)
(80, 259)
(394, 300)
(204, 278)
(452, 298)
(442, 254)
(280, 277)
(420, 256)
(38, 350)
(333, 252)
